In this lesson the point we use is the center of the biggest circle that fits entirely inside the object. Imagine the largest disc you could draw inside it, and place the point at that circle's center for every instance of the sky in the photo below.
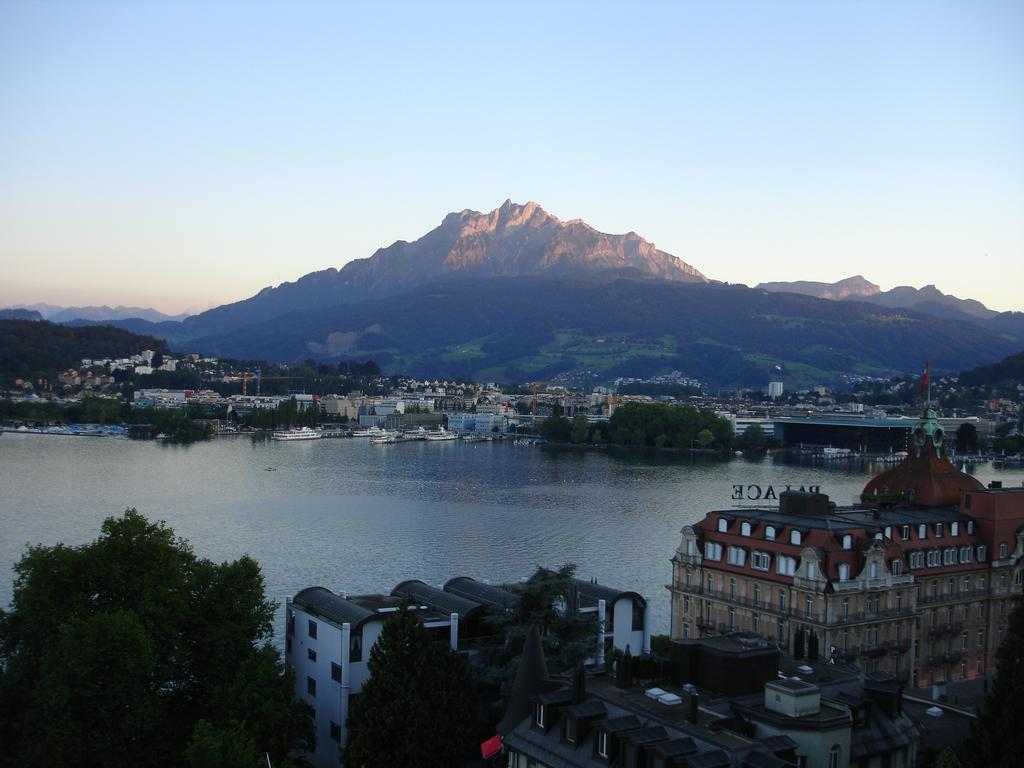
(182, 155)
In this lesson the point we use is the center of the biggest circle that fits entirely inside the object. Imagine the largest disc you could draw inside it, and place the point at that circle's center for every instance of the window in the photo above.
(1004, 550)
(686, 631)
(847, 541)
(833, 757)
(312, 629)
(686, 603)
(899, 601)
(311, 654)
(810, 571)
(538, 718)
(335, 672)
(757, 594)
(888, 531)
(602, 743)
(762, 561)
(970, 523)
(355, 647)
(782, 600)
(732, 619)
(713, 551)
(905, 533)
(744, 528)
(949, 556)
(780, 627)
(769, 532)
(737, 556)
(732, 588)
(873, 569)
(954, 529)
(723, 525)
(963, 642)
(846, 607)
(311, 686)
(785, 566)
(844, 572)
(922, 531)
(982, 553)
(965, 554)
(755, 623)
(934, 558)
(794, 537)
(938, 530)
(897, 567)
(809, 607)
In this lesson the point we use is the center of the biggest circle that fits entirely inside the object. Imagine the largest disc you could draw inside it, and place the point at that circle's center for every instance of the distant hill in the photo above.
(1007, 370)
(536, 327)
(928, 299)
(510, 241)
(855, 287)
(19, 314)
(33, 349)
(57, 314)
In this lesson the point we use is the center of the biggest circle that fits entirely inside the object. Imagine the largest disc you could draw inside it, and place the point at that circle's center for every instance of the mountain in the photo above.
(19, 314)
(852, 287)
(928, 299)
(538, 327)
(104, 313)
(57, 314)
(1007, 370)
(510, 241)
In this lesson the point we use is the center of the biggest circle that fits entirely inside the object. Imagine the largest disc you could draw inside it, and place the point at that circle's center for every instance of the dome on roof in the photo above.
(926, 478)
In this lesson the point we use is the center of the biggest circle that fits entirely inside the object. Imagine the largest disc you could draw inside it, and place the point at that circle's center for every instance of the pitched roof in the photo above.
(320, 601)
(438, 599)
(529, 682)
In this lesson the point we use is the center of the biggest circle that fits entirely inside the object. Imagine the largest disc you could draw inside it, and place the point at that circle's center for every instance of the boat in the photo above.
(371, 432)
(297, 433)
(385, 438)
(476, 438)
(415, 434)
(441, 434)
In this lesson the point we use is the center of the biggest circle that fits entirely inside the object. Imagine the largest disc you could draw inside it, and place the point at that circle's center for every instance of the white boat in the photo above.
(415, 434)
(371, 432)
(385, 437)
(441, 434)
(297, 433)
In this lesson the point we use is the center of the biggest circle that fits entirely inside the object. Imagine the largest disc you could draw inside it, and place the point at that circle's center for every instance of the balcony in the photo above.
(941, 630)
(951, 597)
(939, 659)
(857, 617)
(874, 651)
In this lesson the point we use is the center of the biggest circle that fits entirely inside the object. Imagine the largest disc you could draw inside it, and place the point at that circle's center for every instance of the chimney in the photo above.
(694, 708)
(579, 685)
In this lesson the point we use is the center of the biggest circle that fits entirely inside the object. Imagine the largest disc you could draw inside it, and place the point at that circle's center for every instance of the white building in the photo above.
(774, 389)
(328, 638)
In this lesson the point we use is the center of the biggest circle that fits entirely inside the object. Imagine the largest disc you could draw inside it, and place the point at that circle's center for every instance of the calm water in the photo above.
(352, 516)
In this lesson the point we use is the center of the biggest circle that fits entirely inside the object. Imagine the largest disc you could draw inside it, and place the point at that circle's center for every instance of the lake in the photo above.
(357, 517)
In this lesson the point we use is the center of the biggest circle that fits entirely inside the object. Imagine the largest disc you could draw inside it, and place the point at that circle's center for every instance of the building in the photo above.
(916, 581)
(328, 638)
(774, 389)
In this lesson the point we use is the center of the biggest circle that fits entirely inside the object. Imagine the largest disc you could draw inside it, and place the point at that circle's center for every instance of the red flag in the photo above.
(926, 376)
(491, 747)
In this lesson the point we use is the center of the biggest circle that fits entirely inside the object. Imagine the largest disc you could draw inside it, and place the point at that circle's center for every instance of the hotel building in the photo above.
(916, 581)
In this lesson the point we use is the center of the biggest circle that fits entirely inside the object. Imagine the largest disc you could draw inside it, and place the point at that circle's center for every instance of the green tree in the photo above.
(966, 438)
(705, 437)
(556, 428)
(580, 429)
(418, 707)
(997, 738)
(115, 650)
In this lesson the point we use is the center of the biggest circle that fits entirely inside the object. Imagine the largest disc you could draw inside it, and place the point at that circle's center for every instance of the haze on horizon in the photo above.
(186, 155)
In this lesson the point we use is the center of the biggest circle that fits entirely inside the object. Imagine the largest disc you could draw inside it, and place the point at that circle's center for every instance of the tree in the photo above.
(966, 438)
(705, 437)
(114, 651)
(556, 428)
(580, 429)
(418, 707)
(997, 738)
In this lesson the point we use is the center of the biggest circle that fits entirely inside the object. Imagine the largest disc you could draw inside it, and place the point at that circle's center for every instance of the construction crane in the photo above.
(259, 379)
